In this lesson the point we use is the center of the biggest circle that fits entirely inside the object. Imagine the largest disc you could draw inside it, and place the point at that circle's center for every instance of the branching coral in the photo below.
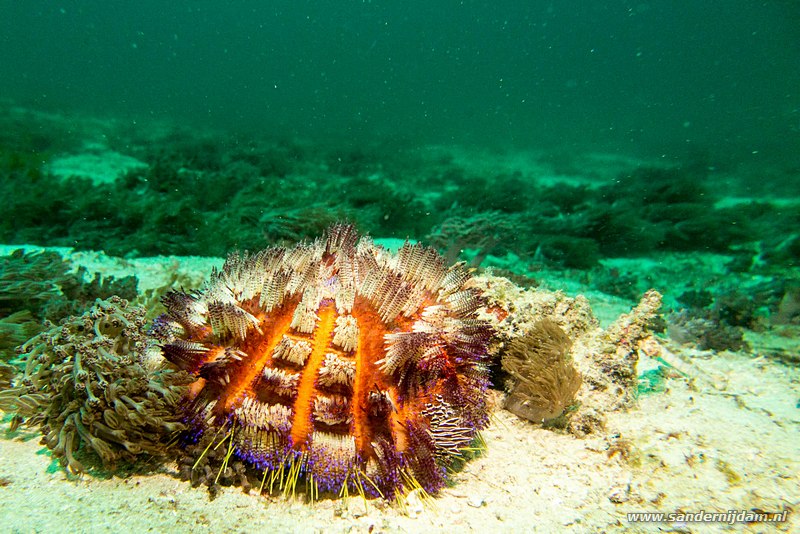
(85, 382)
(545, 381)
(484, 232)
(705, 329)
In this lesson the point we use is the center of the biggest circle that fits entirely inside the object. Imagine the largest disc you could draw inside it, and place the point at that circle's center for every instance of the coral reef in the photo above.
(605, 360)
(332, 362)
(513, 311)
(86, 383)
(199, 193)
(544, 380)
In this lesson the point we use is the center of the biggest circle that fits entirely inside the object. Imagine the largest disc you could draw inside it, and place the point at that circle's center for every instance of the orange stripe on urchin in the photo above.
(337, 361)
(306, 393)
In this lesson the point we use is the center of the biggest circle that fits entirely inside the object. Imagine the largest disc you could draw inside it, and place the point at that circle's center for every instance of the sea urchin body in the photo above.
(335, 361)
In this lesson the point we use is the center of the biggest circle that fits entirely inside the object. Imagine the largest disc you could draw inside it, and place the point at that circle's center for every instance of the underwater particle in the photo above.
(544, 380)
(332, 362)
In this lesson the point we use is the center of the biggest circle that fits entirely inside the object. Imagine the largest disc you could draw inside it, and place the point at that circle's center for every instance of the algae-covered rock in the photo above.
(609, 366)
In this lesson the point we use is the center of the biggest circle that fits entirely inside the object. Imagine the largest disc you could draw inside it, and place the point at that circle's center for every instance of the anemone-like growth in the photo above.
(86, 383)
(544, 379)
(39, 286)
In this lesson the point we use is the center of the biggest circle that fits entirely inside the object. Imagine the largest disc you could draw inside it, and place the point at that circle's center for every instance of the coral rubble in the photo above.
(609, 370)
(620, 342)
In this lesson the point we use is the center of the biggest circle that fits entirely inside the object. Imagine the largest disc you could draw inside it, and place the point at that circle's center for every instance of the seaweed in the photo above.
(695, 299)
(567, 251)
(788, 308)
(7, 373)
(613, 281)
(565, 198)
(665, 209)
(544, 381)
(15, 330)
(383, 209)
(736, 309)
(30, 281)
(480, 194)
(204, 193)
(717, 321)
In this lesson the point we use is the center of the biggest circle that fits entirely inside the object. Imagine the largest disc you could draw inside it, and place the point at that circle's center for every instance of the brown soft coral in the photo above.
(545, 381)
(86, 382)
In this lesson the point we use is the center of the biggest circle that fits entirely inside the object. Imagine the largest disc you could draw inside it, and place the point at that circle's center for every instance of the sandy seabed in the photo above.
(723, 435)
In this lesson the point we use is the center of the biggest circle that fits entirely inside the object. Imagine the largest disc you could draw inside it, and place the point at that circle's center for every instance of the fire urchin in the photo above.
(334, 362)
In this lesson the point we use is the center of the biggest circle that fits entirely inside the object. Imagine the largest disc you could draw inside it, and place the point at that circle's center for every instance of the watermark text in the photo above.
(730, 517)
